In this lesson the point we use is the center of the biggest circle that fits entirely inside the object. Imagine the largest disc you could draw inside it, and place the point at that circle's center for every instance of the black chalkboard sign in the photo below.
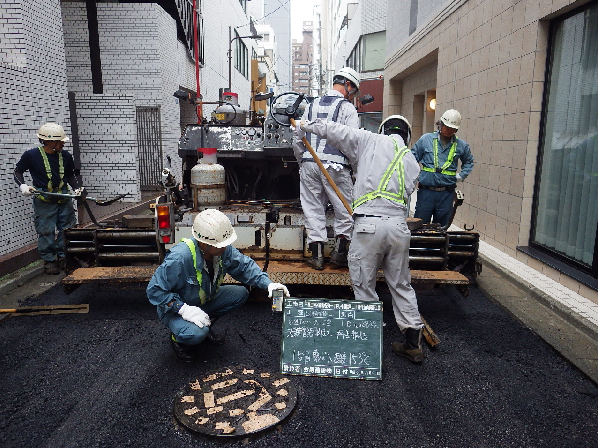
(332, 338)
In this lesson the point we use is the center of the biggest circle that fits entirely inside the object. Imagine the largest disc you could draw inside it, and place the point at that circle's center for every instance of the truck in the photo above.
(245, 167)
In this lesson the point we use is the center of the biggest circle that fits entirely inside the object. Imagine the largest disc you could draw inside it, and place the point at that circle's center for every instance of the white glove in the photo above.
(78, 191)
(273, 286)
(459, 178)
(26, 190)
(195, 315)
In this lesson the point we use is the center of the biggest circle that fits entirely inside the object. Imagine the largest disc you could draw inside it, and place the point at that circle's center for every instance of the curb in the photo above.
(570, 315)
(17, 278)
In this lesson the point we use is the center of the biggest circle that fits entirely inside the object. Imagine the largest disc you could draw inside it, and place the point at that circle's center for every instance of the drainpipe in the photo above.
(198, 110)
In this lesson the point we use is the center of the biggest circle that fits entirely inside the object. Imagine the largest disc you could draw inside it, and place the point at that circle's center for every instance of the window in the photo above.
(241, 56)
(565, 212)
(369, 53)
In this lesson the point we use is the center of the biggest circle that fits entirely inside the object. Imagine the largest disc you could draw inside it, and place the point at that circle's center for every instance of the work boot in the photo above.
(411, 348)
(341, 249)
(184, 352)
(51, 268)
(215, 339)
(62, 263)
(317, 256)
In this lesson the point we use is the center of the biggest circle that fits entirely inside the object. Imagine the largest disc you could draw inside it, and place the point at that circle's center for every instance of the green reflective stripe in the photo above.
(49, 173)
(380, 192)
(449, 159)
(203, 298)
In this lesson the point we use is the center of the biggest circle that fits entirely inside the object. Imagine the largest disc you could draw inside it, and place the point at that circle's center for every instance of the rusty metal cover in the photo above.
(235, 401)
(120, 274)
(414, 223)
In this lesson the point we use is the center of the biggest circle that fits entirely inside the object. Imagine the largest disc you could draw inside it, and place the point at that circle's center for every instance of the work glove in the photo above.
(459, 178)
(195, 315)
(26, 190)
(274, 286)
(79, 191)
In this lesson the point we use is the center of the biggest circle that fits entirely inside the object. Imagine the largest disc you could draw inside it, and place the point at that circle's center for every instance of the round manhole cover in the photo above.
(235, 401)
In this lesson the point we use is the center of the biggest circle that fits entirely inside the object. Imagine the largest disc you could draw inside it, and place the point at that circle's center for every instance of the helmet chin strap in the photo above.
(349, 92)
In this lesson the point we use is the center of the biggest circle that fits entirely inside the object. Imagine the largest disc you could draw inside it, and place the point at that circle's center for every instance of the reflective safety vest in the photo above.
(50, 186)
(449, 159)
(326, 108)
(381, 192)
(203, 298)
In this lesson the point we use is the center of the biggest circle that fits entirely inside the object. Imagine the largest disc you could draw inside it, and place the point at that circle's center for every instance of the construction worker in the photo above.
(315, 190)
(439, 153)
(187, 287)
(386, 173)
(51, 169)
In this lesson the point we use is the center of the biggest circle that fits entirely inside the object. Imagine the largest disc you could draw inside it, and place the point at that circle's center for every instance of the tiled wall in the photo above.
(143, 64)
(32, 92)
(491, 66)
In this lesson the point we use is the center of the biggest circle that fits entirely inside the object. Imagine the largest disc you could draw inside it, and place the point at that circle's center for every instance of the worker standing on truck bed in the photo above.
(187, 287)
(315, 190)
(51, 169)
(386, 173)
(439, 153)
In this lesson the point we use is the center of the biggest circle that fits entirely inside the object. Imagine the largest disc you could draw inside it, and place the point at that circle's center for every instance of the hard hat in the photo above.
(52, 131)
(213, 227)
(451, 118)
(397, 123)
(350, 74)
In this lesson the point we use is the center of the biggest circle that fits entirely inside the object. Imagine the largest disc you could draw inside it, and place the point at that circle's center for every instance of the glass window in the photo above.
(565, 207)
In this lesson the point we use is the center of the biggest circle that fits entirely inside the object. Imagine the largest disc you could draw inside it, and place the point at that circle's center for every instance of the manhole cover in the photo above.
(235, 401)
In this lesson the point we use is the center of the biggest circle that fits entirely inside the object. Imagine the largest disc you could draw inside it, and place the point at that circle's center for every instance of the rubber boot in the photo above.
(317, 256)
(51, 268)
(411, 348)
(340, 252)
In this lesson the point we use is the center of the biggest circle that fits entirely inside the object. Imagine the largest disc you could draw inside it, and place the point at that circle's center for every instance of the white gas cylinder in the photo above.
(208, 180)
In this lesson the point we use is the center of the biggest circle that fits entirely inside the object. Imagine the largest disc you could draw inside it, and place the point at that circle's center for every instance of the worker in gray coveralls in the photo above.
(386, 175)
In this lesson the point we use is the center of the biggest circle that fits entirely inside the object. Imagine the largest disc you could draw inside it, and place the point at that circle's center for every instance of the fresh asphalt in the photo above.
(109, 379)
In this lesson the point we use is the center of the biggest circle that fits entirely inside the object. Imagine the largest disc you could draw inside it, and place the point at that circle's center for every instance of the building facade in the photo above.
(524, 76)
(303, 62)
(107, 72)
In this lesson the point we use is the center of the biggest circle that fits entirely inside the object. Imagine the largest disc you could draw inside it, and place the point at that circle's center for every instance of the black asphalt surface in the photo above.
(109, 379)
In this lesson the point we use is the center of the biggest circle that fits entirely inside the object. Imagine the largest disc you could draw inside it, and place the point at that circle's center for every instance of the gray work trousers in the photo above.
(315, 192)
(384, 242)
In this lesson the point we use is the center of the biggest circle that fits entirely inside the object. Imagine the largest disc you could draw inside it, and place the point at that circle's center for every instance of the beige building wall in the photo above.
(489, 59)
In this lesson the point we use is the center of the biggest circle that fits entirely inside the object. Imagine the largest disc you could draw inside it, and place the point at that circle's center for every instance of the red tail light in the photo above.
(163, 216)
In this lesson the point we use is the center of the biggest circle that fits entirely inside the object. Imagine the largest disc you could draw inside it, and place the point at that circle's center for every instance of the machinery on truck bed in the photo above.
(249, 172)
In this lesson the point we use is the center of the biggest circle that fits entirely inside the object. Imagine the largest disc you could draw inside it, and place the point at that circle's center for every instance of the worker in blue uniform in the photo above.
(439, 153)
(187, 287)
(52, 169)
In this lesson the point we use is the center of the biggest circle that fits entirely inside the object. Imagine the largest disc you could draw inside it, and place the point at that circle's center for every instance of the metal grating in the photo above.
(149, 142)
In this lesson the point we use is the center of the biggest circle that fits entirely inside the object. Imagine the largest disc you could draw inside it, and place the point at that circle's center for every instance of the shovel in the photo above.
(82, 197)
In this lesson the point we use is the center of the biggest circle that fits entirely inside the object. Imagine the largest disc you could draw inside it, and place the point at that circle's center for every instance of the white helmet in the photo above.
(213, 227)
(398, 123)
(451, 118)
(350, 74)
(52, 131)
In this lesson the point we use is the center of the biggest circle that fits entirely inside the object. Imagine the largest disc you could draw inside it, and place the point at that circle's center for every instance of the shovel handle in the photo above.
(324, 171)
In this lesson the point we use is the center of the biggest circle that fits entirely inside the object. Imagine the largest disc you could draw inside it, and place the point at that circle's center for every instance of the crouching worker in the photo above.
(386, 175)
(187, 287)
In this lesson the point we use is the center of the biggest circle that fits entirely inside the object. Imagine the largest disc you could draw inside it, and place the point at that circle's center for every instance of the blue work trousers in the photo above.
(436, 204)
(50, 222)
(227, 299)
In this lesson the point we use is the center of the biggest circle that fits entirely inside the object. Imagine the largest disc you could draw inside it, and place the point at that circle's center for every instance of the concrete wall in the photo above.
(32, 91)
(490, 59)
(219, 15)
